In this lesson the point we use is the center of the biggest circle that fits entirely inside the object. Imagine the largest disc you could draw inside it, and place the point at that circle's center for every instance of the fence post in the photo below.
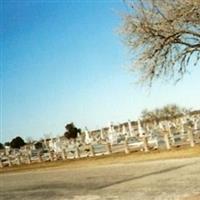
(109, 149)
(39, 157)
(145, 143)
(63, 154)
(92, 150)
(77, 152)
(171, 134)
(127, 151)
(19, 160)
(191, 137)
(1, 163)
(56, 155)
(166, 138)
(28, 158)
(50, 155)
(9, 162)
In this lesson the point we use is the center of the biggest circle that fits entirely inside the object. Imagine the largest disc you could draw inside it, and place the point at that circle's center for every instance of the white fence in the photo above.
(107, 141)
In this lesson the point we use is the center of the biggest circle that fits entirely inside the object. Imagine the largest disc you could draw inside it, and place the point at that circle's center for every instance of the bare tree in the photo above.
(166, 112)
(164, 37)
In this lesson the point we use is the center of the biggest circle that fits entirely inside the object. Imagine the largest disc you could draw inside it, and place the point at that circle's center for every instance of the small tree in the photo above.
(163, 35)
(2, 146)
(38, 145)
(72, 131)
(17, 143)
(7, 144)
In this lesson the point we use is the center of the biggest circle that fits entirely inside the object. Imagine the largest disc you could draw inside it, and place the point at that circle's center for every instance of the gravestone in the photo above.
(102, 136)
(64, 154)
(126, 147)
(188, 125)
(143, 135)
(131, 129)
(109, 149)
(124, 130)
(9, 162)
(1, 163)
(28, 158)
(112, 136)
(92, 152)
(18, 159)
(39, 157)
(164, 127)
(88, 138)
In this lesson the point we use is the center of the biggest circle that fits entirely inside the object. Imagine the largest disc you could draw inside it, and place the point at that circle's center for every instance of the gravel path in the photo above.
(160, 180)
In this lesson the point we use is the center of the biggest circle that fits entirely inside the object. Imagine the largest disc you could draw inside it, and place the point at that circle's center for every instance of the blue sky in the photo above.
(62, 61)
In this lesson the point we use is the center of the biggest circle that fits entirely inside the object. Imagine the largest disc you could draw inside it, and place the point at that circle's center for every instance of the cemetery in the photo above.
(126, 137)
(99, 100)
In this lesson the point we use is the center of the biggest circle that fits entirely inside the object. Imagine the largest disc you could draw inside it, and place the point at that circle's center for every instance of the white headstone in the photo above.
(112, 135)
(124, 131)
(102, 136)
(88, 138)
(140, 129)
(131, 130)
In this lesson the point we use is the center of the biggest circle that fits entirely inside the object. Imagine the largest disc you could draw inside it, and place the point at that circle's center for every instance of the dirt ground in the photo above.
(111, 178)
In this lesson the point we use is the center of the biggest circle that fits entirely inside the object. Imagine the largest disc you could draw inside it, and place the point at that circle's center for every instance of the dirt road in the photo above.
(160, 180)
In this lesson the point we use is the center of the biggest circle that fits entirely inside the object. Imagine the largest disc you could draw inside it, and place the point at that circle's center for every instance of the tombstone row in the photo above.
(109, 139)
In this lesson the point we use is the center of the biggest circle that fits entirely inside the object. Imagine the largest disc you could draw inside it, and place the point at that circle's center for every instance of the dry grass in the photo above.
(196, 197)
(181, 152)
